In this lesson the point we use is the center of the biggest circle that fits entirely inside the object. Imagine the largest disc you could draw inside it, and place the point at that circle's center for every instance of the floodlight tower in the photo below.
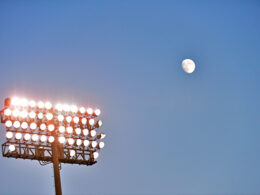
(60, 134)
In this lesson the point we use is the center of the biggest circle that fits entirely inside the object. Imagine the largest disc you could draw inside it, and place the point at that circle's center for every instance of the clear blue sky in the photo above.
(167, 132)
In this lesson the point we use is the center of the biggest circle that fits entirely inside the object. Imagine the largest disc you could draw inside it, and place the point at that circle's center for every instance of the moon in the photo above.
(188, 66)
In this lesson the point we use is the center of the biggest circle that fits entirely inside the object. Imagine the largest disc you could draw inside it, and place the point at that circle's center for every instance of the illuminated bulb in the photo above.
(93, 133)
(8, 123)
(93, 144)
(71, 141)
(24, 125)
(82, 110)
(101, 136)
(32, 103)
(32, 115)
(62, 140)
(7, 112)
(16, 124)
(51, 139)
(48, 105)
(58, 107)
(95, 155)
(43, 138)
(99, 123)
(68, 119)
(14, 101)
(40, 115)
(24, 102)
(66, 107)
(91, 121)
(33, 126)
(101, 145)
(23, 114)
(62, 129)
(83, 121)
(35, 137)
(60, 118)
(43, 127)
(49, 116)
(97, 112)
(15, 113)
(51, 127)
(76, 119)
(85, 132)
(72, 153)
(79, 142)
(9, 135)
(90, 111)
(18, 136)
(40, 105)
(86, 143)
(78, 131)
(74, 108)
(12, 148)
(69, 130)
(27, 136)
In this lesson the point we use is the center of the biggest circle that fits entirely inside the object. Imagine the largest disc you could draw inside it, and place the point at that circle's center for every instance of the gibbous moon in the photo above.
(188, 66)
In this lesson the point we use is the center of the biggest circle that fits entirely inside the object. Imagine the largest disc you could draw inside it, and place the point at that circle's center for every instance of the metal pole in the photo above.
(56, 168)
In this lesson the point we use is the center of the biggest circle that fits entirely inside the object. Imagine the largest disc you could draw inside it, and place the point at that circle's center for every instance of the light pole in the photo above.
(60, 134)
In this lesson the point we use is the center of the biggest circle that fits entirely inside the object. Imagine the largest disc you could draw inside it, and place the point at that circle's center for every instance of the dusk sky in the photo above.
(168, 132)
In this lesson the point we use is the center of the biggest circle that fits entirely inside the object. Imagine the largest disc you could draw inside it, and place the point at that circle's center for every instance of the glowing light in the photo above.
(43, 127)
(8, 123)
(43, 138)
(18, 136)
(59, 107)
(24, 102)
(15, 101)
(49, 116)
(40, 105)
(48, 105)
(69, 130)
(32, 103)
(72, 153)
(79, 142)
(93, 133)
(91, 121)
(23, 114)
(84, 121)
(33, 126)
(16, 124)
(66, 107)
(93, 144)
(32, 115)
(89, 111)
(101, 145)
(60, 117)
(68, 119)
(76, 119)
(101, 136)
(78, 131)
(12, 148)
(62, 129)
(85, 132)
(35, 137)
(9, 135)
(97, 112)
(82, 110)
(74, 109)
(95, 155)
(71, 141)
(51, 139)
(15, 113)
(86, 143)
(7, 112)
(40, 115)
(24, 125)
(51, 127)
(62, 140)
(27, 136)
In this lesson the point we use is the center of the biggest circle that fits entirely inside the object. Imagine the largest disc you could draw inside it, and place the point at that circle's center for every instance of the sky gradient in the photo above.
(167, 132)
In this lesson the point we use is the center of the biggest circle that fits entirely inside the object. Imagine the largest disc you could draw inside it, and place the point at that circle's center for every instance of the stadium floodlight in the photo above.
(49, 133)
